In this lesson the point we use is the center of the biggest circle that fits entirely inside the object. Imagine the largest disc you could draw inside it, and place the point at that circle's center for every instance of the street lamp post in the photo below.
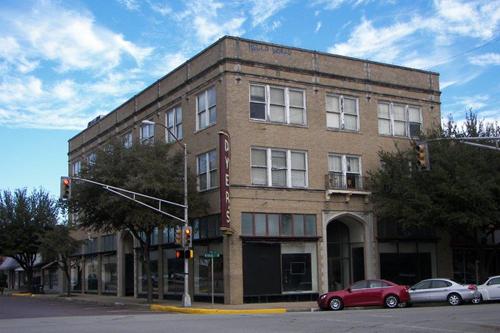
(186, 299)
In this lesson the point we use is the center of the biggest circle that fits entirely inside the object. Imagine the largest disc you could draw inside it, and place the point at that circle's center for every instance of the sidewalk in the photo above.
(175, 305)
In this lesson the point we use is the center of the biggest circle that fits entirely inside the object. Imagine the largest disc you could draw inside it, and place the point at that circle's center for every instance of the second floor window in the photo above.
(147, 133)
(277, 104)
(279, 167)
(206, 109)
(207, 170)
(127, 140)
(174, 123)
(399, 119)
(342, 112)
(344, 171)
(91, 159)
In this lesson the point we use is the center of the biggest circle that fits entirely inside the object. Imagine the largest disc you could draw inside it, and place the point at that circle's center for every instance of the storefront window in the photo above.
(296, 272)
(173, 272)
(91, 273)
(203, 270)
(109, 277)
(153, 257)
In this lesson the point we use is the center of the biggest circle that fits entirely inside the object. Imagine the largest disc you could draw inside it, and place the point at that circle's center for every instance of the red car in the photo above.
(365, 293)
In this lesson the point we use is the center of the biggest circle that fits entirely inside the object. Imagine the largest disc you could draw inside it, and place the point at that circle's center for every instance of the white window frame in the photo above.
(151, 133)
(91, 158)
(344, 167)
(406, 120)
(341, 112)
(205, 113)
(288, 167)
(208, 171)
(174, 128)
(267, 103)
(127, 140)
(76, 168)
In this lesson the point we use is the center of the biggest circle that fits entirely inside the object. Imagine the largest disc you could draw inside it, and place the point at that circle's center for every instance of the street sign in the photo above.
(212, 254)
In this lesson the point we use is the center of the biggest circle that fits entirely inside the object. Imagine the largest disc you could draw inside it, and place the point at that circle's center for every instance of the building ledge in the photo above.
(347, 194)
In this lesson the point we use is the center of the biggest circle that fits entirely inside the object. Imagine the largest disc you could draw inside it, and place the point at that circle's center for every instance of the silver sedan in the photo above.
(490, 290)
(443, 290)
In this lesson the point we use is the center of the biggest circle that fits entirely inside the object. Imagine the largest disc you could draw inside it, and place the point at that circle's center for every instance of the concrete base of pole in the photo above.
(186, 300)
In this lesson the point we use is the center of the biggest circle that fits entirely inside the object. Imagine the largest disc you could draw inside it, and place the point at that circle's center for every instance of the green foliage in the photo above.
(154, 170)
(24, 220)
(461, 190)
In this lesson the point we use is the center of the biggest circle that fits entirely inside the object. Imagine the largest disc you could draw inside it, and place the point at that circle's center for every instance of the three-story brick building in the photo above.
(293, 217)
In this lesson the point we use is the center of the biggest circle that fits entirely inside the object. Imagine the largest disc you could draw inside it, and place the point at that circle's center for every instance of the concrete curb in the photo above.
(176, 309)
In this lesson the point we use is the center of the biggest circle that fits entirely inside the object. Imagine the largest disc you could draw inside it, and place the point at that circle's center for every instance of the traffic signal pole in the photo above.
(186, 299)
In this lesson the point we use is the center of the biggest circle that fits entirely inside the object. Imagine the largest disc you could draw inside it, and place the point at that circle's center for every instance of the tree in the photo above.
(154, 170)
(24, 219)
(58, 245)
(459, 194)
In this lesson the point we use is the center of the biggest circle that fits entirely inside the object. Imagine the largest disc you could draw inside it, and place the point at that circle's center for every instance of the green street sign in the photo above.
(212, 254)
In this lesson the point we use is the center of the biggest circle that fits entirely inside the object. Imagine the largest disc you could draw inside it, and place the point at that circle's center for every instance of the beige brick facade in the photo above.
(231, 65)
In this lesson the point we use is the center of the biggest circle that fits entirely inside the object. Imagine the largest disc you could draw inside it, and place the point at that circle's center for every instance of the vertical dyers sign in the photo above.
(224, 161)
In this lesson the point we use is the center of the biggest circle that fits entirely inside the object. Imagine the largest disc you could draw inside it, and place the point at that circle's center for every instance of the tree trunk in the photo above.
(67, 273)
(29, 279)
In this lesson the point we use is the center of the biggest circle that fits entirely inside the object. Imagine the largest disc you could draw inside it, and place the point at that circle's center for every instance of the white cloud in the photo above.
(64, 90)
(163, 9)
(71, 40)
(318, 26)
(380, 44)
(485, 59)
(209, 30)
(131, 5)
(262, 10)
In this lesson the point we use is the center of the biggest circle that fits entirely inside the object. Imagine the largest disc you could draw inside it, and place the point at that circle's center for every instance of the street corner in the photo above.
(204, 311)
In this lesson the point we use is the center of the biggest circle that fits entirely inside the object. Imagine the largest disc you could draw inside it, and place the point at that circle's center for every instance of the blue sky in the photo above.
(62, 63)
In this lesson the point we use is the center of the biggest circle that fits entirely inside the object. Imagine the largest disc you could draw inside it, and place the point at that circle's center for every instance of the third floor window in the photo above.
(206, 109)
(277, 104)
(342, 112)
(174, 123)
(399, 119)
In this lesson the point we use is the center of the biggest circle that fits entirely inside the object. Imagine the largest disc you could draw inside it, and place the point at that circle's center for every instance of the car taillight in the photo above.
(472, 287)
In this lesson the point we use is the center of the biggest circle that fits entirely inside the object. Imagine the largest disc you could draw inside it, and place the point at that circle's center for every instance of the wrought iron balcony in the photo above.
(345, 182)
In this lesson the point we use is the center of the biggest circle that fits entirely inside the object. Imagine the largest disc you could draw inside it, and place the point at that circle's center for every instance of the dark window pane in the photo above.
(310, 225)
(257, 111)
(246, 224)
(286, 225)
(273, 224)
(298, 225)
(296, 272)
(360, 285)
(260, 224)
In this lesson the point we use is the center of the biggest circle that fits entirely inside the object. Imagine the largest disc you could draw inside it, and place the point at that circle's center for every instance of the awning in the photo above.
(9, 264)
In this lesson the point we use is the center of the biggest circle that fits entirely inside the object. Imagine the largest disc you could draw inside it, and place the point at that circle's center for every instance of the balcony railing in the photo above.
(348, 182)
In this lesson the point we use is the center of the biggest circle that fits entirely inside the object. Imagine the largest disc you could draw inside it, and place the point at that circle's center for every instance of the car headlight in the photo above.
(322, 297)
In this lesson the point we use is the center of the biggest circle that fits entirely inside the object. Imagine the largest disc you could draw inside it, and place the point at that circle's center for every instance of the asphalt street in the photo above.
(12, 307)
(80, 318)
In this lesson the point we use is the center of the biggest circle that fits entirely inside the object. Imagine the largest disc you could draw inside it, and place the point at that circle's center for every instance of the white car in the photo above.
(490, 290)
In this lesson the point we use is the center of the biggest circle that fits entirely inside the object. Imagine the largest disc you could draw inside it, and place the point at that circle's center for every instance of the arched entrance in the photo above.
(345, 252)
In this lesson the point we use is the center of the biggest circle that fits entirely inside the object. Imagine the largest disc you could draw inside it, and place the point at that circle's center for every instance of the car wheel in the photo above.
(391, 301)
(336, 304)
(454, 299)
(477, 300)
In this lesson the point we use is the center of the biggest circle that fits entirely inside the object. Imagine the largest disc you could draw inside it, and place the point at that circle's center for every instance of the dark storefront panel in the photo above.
(296, 270)
(261, 269)
(358, 264)
(405, 268)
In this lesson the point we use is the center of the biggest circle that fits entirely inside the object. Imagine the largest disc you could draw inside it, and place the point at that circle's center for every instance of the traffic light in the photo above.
(187, 240)
(178, 236)
(422, 155)
(65, 188)
(179, 254)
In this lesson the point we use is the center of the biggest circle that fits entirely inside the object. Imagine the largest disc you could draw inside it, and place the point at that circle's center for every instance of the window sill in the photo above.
(278, 187)
(397, 136)
(267, 122)
(212, 189)
(204, 128)
(281, 238)
(339, 130)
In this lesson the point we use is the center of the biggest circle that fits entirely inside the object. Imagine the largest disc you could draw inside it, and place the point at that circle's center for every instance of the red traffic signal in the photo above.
(179, 254)
(65, 188)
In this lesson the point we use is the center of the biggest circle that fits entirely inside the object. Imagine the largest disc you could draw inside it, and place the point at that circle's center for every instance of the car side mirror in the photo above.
(412, 288)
